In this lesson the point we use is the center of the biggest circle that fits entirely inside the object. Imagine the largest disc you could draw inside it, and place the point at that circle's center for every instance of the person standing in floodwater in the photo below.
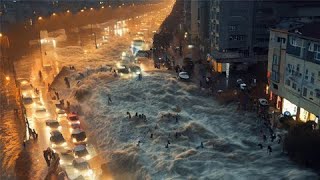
(109, 99)
(269, 150)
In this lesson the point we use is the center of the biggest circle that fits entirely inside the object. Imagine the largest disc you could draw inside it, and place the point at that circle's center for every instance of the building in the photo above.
(294, 70)
(239, 30)
(24, 11)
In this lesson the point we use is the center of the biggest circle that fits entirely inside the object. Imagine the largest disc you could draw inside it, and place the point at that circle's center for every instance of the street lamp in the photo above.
(91, 9)
(0, 35)
(82, 10)
(39, 18)
(102, 7)
(68, 11)
(54, 14)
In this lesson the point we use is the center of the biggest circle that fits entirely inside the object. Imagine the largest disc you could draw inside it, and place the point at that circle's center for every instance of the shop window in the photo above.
(305, 91)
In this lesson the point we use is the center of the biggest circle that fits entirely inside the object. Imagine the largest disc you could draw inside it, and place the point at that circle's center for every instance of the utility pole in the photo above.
(41, 55)
(95, 40)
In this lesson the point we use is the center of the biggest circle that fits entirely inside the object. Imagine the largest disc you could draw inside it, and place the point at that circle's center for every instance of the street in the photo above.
(51, 60)
(140, 122)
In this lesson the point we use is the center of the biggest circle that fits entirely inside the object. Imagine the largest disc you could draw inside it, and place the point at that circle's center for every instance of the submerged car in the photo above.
(184, 76)
(66, 156)
(57, 139)
(78, 135)
(81, 151)
(135, 69)
(83, 167)
(73, 118)
(40, 112)
(123, 71)
(53, 124)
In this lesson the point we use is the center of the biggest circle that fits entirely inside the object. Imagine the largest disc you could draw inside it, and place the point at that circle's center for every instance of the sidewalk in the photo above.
(12, 126)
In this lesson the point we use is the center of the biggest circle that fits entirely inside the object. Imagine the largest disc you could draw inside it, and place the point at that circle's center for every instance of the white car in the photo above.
(184, 76)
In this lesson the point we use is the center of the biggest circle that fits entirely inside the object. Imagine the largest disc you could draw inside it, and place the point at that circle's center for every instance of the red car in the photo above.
(73, 118)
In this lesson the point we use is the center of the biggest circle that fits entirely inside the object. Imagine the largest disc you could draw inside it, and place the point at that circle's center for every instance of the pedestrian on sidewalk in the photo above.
(40, 75)
(27, 122)
(45, 155)
(57, 95)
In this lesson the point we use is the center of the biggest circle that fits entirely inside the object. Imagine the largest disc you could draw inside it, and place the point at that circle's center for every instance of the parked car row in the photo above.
(77, 156)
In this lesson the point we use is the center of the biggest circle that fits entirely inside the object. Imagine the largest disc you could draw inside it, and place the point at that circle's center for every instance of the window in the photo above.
(294, 86)
(232, 28)
(311, 93)
(288, 82)
(295, 42)
(275, 59)
(275, 86)
(318, 94)
(305, 91)
(237, 37)
(312, 78)
(298, 67)
(282, 40)
(306, 77)
(316, 49)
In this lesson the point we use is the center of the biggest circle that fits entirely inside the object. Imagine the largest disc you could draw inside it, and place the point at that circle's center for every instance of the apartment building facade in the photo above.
(294, 71)
(239, 30)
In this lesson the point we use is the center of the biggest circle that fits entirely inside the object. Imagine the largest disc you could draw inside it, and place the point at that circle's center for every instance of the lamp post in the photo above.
(95, 39)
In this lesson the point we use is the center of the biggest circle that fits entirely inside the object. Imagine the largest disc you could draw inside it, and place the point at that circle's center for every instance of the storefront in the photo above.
(289, 107)
(307, 116)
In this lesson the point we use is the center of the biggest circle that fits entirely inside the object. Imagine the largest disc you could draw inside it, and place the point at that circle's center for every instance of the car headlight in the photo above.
(138, 72)
(121, 74)
(59, 128)
(88, 157)
(74, 140)
(64, 144)
(89, 172)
